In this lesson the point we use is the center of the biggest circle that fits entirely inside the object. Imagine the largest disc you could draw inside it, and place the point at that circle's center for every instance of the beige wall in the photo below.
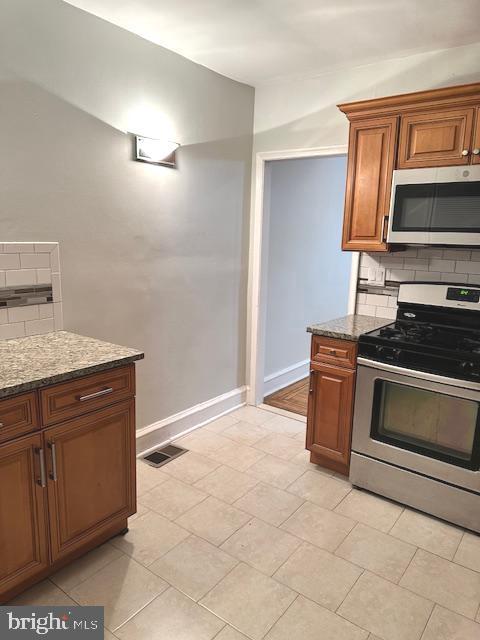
(303, 114)
(152, 258)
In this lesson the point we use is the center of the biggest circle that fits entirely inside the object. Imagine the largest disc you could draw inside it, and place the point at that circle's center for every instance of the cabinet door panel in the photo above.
(371, 157)
(435, 139)
(23, 523)
(91, 463)
(330, 409)
(476, 139)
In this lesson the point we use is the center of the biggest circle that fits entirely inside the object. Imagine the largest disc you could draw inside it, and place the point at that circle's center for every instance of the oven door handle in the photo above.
(423, 375)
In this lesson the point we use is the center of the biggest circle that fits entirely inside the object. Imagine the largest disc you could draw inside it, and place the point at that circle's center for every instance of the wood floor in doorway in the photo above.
(293, 398)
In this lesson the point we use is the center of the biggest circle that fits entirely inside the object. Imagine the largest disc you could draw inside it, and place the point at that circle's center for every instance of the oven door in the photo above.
(418, 421)
(435, 206)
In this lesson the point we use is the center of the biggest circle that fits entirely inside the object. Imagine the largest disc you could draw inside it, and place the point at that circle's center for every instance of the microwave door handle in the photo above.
(385, 228)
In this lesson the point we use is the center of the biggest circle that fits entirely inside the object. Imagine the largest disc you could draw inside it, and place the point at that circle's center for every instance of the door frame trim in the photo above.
(255, 309)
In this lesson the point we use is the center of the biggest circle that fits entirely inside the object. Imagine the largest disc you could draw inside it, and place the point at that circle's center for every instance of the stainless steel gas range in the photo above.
(416, 430)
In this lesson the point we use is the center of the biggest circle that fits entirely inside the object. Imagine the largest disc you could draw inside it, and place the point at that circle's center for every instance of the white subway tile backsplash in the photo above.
(9, 261)
(58, 315)
(366, 309)
(427, 276)
(44, 276)
(20, 277)
(416, 263)
(461, 278)
(35, 261)
(428, 264)
(17, 247)
(45, 311)
(12, 330)
(439, 264)
(377, 300)
(392, 262)
(45, 247)
(57, 287)
(467, 267)
(386, 312)
(429, 252)
(21, 314)
(457, 254)
(23, 265)
(400, 275)
(34, 327)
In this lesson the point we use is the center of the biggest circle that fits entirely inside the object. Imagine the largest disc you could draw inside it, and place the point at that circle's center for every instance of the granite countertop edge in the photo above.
(349, 327)
(39, 383)
(35, 362)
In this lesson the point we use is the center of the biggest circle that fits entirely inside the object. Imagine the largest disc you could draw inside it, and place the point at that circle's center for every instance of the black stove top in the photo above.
(427, 336)
(438, 347)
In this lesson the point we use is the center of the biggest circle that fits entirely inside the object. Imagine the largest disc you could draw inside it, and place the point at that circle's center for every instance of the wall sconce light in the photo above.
(156, 151)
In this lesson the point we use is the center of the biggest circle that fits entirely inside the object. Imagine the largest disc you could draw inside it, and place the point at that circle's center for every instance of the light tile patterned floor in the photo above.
(242, 538)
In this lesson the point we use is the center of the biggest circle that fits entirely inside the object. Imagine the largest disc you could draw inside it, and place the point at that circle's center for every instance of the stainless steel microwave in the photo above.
(435, 206)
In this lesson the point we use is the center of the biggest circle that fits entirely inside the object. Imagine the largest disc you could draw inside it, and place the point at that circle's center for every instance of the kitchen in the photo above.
(371, 530)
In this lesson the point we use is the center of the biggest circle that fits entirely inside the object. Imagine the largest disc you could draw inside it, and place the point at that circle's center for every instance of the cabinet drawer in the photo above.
(76, 397)
(18, 416)
(342, 353)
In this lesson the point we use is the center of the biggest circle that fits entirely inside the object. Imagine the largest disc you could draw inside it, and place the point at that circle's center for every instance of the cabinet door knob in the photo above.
(476, 152)
(465, 152)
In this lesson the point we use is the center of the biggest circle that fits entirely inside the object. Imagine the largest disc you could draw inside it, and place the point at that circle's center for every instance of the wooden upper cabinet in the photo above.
(371, 159)
(436, 138)
(91, 469)
(476, 139)
(23, 522)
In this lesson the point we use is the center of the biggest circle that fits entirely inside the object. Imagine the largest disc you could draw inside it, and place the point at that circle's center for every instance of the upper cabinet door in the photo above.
(476, 139)
(91, 469)
(436, 139)
(23, 508)
(371, 159)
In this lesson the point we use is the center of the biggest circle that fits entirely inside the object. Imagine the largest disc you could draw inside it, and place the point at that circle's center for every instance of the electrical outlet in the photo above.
(376, 276)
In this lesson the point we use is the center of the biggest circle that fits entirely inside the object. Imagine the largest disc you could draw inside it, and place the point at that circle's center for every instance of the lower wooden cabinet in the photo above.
(63, 490)
(23, 512)
(91, 482)
(330, 402)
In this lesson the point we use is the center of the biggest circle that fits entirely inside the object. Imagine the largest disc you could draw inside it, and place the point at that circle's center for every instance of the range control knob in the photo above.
(467, 367)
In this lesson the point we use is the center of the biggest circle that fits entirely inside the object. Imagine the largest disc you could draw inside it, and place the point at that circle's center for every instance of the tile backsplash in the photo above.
(422, 264)
(30, 289)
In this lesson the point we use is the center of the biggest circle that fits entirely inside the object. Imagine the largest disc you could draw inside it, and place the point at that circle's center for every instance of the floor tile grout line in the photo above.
(428, 620)
(95, 572)
(297, 595)
(348, 592)
(159, 595)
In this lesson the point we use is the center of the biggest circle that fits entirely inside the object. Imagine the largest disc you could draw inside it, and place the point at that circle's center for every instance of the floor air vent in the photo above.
(164, 455)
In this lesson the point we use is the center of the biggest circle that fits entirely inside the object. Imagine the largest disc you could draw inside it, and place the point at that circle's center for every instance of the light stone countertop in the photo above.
(37, 361)
(348, 327)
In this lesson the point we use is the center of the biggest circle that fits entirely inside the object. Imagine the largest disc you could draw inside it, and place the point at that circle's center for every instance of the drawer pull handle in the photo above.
(97, 394)
(1, 425)
(333, 352)
(43, 477)
(53, 475)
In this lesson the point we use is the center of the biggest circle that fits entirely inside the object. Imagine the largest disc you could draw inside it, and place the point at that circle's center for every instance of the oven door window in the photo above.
(443, 206)
(427, 422)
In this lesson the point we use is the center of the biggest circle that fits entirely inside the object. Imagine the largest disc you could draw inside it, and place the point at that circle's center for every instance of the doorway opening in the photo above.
(303, 276)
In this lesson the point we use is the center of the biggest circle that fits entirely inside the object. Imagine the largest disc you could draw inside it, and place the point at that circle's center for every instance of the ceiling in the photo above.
(257, 41)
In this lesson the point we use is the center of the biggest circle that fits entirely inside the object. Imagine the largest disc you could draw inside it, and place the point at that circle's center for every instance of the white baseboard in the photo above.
(164, 431)
(284, 377)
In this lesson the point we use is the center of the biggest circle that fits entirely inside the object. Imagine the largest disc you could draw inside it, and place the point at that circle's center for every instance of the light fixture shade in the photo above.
(156, 151)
